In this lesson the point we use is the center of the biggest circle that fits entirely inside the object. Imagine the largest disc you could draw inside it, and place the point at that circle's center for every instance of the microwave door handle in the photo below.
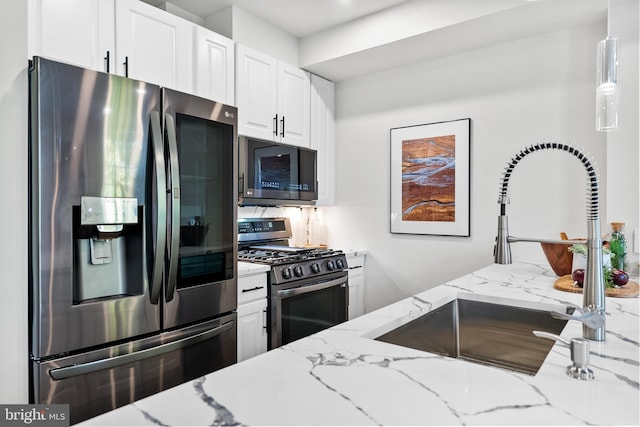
(174, 194)
(161, 201)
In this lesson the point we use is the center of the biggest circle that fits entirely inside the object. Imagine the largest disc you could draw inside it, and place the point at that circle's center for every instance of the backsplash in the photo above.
(307, 223)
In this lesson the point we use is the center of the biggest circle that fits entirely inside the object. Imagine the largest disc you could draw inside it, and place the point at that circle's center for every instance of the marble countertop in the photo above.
(249, 268)
(342, 377)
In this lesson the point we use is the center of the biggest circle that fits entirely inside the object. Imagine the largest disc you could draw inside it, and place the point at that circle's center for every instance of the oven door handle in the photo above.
(304, 289)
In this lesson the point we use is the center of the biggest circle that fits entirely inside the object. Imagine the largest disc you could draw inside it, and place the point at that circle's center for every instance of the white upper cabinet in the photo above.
(215, 66)
(126, 37)
(154, 46)
(273, 98)
(323, 136)
(256, 81)
(294, 91)
(78, 32)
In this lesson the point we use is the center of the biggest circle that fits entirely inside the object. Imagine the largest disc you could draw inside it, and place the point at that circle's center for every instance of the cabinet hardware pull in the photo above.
(253, 289)
(126, 66)
(275, 125)
(282, 130)
(107, 59)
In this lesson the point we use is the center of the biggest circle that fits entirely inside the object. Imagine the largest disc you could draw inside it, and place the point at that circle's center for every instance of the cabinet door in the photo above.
(294, 91)
(215, 65)
(357, 282)
(78, 32)
(256, 80)
(252, 329)
(154, 46)
(322, 136)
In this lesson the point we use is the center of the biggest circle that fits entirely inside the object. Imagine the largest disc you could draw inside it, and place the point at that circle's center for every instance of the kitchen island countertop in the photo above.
(343, 377)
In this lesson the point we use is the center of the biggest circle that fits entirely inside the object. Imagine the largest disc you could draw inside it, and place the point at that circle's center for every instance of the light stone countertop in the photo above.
(249, 268)
(342, 377)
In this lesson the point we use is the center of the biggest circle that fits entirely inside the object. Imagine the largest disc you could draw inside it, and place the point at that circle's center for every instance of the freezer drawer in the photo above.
(96, 382)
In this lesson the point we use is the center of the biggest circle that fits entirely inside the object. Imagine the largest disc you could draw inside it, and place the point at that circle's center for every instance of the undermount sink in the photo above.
(499, 335)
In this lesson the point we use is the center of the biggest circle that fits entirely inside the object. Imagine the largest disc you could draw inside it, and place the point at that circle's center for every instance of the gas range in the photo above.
(265, 241)
(308, 288)
(292, 263)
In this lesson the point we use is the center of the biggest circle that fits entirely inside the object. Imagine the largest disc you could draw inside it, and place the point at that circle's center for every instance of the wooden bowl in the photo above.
(559, 257)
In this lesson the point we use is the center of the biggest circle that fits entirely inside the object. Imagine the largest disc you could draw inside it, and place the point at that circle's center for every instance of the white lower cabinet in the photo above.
(252, 329)
(357, 280)
(252, 315)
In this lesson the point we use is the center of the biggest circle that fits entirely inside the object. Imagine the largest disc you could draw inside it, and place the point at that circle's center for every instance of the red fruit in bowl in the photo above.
(578, 276)
(619, 277)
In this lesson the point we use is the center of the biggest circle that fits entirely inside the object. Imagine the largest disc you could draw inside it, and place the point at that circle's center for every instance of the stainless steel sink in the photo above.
(482, 332)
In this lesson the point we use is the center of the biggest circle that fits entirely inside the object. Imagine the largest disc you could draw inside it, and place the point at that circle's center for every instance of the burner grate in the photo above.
(284, 255)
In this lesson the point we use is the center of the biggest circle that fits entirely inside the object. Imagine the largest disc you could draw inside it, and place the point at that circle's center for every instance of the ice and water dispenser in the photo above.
(108, 248)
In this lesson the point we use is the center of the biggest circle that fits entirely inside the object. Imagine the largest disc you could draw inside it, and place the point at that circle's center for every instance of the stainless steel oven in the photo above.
(302, 308)
(308, 287)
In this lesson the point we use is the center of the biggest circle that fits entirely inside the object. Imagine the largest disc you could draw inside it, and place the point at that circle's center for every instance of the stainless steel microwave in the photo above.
(274, 174)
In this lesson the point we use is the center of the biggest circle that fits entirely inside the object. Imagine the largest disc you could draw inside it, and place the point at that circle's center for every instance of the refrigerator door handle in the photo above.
(174, 192)
(113, 362)
(161, 224)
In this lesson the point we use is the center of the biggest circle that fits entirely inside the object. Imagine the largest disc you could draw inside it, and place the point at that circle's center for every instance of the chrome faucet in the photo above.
(592, 314)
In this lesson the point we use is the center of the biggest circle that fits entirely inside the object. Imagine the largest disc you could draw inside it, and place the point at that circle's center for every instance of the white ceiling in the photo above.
(297, 17)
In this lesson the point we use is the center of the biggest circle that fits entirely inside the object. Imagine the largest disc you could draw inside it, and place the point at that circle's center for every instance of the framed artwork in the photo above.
(430, 171)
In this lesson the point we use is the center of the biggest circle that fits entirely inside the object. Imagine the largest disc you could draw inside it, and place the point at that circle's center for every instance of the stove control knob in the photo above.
(315, 268)
(286, 273)
(297, 270)
(331, 265)
(340, 263)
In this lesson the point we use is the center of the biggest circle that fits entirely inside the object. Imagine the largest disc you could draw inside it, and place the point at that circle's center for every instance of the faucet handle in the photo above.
(580, 349)
(592, 319)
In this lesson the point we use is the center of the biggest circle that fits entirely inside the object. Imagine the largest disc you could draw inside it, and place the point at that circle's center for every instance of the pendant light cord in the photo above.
(608, 18)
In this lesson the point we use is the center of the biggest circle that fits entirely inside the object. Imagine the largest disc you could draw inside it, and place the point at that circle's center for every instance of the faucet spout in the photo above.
(594, 285)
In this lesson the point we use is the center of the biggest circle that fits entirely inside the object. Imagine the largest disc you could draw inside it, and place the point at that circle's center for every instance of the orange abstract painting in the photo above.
(428, 179)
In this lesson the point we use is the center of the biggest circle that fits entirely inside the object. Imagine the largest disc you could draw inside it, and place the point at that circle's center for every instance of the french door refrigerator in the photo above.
(132, 238)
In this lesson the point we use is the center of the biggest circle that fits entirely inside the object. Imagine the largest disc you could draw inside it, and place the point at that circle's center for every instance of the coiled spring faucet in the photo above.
(593, 312)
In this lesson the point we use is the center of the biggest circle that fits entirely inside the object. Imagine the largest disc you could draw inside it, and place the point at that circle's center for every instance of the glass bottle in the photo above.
(618, 246)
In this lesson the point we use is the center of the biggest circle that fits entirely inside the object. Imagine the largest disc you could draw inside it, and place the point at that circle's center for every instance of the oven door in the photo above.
(301, 309)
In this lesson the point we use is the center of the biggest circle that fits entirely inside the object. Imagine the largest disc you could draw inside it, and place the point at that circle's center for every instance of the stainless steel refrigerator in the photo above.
(132, 238)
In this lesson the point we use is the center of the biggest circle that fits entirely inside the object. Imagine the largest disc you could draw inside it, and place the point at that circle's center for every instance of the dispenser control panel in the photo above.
(108, 210)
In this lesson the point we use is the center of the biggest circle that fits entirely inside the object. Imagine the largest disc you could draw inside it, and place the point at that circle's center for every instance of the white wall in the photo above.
(248, 30)
(623, 147)
(13, 188)
(516, 93)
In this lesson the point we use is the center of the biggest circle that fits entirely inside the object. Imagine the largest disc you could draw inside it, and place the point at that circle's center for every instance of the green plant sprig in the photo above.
(581, 249)
(608, 276)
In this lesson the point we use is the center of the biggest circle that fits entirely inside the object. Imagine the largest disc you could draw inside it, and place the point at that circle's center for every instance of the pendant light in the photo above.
(607, 91)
